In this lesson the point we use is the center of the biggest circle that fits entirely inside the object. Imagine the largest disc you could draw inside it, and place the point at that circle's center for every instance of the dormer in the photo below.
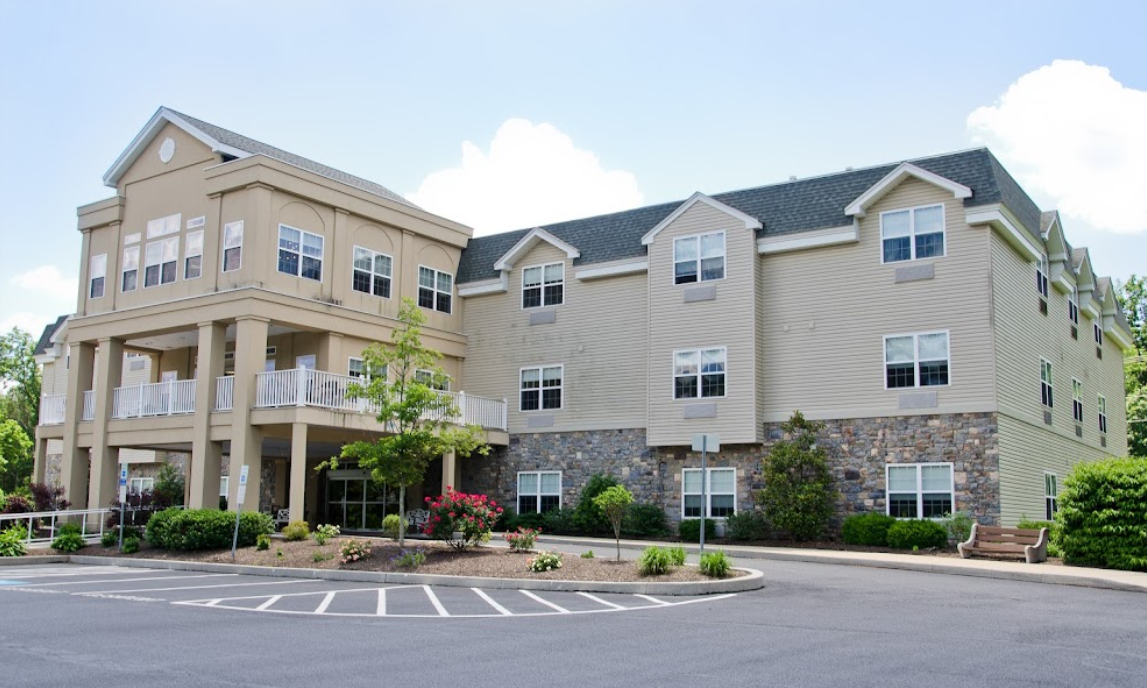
(1062, 274)
(903, 171)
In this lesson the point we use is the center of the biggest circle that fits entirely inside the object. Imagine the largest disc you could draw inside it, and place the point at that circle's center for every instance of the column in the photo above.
(246, 439)
(105, 469)
(40, 459)
(74, 461)
(298, 470)
(449, 471)
(206, 455)
(331, 358)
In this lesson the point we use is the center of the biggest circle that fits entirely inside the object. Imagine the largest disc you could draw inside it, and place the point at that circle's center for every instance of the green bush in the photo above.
(324, 533)
(1052, 533)
(66, 543)
(690, 529)
(869, 529)
(715, 564)
(644, 520)
(798, 495)
(1103, 515)
(917, 533)
(195, 529)
(508, 521)
(654, 561)
(110, 538)
(533, 520)
(296, 530)
(12, 542)
(262, 542)
(559, 522)
(676, 555)
(588, 517)
(130, 544)
(70, 529)
(958, 525)
(747, 525)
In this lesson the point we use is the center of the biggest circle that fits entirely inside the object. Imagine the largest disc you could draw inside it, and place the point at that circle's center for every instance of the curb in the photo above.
(755, 580)
(34, 559)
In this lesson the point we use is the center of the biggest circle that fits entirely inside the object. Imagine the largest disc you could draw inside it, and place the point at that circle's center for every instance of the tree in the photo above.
(613, 502)
(1132, 297)
(798, 494)
(416, 415)
(14, 445)
(20, 385)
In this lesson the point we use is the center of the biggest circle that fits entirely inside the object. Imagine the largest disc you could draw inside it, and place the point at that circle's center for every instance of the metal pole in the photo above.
(704, 498)
(235, 538)
(121, 509)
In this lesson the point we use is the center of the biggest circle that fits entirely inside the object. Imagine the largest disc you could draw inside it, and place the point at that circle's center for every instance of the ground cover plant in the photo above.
(715, 564)
(12, 542)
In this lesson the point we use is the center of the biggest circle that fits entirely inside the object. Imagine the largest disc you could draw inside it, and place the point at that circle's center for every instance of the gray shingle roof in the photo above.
(786, 208)
(45, 340)
(1045, 220)
(1077, 256)
(254, 147)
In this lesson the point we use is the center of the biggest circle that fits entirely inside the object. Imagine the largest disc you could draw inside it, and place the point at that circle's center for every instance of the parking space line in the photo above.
(381, 609)
(490, 600)
(601, 601)
(663, 603)
(97, 571)
(549, 604)
(322, 608)
(434, 600)
(270, 602)
(131, 580)
(207, 587)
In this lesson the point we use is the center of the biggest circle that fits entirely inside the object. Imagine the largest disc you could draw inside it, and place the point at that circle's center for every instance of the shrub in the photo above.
(17, 504)
(654, 561)
(958, 525)
(538, 520)
(66, 543)
(70, 529)
(354, 550)
(471, 515)
(644, 520)
(48, 497)
(917, 533)
(390, 525)
(588, 516)
(319, 557)
(1052, 533)
(613, 502)
(798, 495)
(676, 555)
(296, 530)
(12, 542)
(324, 533)
(262, 542)
(1103, 515)
(558, 521)
(410, 558)
(546, 561)
(715, 564)
(130, 544)
(690, 529)
(523, 540)
(195, 529)
(747, 525)
(169, 487)
(869, 529)
(508, 521)
(110, 538)
(588, 554)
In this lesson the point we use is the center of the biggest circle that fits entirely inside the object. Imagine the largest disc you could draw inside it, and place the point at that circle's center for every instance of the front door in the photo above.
(355, 502)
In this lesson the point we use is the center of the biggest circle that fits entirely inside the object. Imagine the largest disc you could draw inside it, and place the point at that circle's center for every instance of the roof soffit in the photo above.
(749, 221)
(903, 171)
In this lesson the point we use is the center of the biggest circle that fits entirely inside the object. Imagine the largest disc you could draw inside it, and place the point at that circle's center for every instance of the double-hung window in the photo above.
(193, 255)
(543, 285)
(438, 381)
(130, 278)
(1073, 306)
(1041, 271)
(920, 490)
(435, 289)
(1101, 405)
(1097, 329)
(358, 369)
(699, 258)
(1045, 386)
(539, 491)
(912, 234)
(300, 253)
(720, 494)
(541, 389)
(699, 373)
(232, 246)
(1050, 496)
(161, 258)
(371, 273)
(916, 360)
(1077, 400)
(98, 276)
(140, 485)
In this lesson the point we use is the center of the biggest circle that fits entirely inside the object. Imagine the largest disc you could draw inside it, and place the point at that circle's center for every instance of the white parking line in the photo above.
(381, 609)
(206, 587)
(501, 610)
(269, 603)
(663, 603)
(549, 604)
(434, 600)
(131, 580)
(322, 608)
(601, 601)
(96, 571)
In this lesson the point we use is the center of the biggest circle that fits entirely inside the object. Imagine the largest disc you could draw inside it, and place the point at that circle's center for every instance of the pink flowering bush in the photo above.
(354, 550)
(470, 515)
(523, 540)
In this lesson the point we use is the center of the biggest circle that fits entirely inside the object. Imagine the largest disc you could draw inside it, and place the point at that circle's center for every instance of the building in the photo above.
(961, 353)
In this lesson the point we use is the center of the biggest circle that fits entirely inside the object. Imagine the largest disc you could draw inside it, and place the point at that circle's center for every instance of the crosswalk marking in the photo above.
(490, 600)
(549, 604)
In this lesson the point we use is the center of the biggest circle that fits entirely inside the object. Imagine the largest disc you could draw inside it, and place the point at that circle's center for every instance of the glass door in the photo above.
(356, 503)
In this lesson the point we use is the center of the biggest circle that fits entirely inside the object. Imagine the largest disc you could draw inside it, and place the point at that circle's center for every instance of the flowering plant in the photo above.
(546, 561)
(323, 533)
(410, 558)
(354, 550)
(471, 516)
(523, 540)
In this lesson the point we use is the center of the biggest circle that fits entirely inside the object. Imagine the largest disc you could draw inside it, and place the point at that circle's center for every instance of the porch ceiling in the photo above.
(189, 338)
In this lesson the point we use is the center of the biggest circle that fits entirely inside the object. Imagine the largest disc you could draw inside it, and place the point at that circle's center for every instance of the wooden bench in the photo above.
(997, 540)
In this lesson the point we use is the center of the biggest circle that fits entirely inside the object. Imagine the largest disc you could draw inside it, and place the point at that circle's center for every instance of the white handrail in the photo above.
(225, 393)
(154, 399)
(52, 409)
(89, 405)
(91, 532)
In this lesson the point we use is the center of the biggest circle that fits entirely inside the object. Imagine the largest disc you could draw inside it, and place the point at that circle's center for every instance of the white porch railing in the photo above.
(89, 405)
(40, 527)
(52, 409)
(225, 393)
(155, 399)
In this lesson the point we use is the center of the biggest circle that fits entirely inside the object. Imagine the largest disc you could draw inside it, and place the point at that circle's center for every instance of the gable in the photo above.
(698, 197)
(180, 149)
(890, 181)
(527, 242)
(160, 123)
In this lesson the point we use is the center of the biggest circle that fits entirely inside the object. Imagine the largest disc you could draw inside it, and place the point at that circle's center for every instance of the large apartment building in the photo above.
(960, 352)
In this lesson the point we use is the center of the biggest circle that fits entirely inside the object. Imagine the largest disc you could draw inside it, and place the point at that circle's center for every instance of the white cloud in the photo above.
(39, 296)
(532, 175)
(31, 323)
(1073, 132)
(47, 282)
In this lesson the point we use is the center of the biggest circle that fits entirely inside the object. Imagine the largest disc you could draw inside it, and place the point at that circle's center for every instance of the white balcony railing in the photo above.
(89, 405)
(52, 409)
(156, 399)
(225, 393)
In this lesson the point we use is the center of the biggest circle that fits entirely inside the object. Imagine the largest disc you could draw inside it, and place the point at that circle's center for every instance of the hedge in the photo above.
(915, 533)
(869, 529)
(194, 529)
(1103, 515)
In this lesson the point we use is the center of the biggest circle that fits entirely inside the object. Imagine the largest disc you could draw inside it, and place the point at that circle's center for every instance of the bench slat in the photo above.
(1000, 530)
(996, 547)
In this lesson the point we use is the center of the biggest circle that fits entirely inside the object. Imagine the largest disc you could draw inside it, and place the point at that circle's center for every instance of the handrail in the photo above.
(154, 399)
(52, 409)
(54, 518)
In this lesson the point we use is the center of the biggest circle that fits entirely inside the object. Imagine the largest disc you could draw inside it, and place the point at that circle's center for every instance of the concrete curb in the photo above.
(755, 580)
(34, 559)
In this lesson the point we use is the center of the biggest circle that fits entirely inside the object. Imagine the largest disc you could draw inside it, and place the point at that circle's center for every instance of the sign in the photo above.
(706, 442)
(242, 485)
(122, 483)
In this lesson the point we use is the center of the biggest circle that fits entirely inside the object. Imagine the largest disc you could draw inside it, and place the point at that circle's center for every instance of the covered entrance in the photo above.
(355, 502)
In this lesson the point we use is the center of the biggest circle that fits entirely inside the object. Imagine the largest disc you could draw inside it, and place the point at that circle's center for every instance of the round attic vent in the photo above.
(167, 150)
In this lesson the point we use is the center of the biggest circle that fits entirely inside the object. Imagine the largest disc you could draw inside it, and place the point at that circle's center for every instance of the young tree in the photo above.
(798, 494)
(20, 401)
(1132, 296)
(14, 445)
(613, 502)
(416, 415)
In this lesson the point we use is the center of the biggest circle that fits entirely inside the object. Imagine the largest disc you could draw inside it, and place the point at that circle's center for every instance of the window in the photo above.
(163, 226)
(300, 253)
(1041, 271)
(916, 360)
(232, 245)
(435, 289)
(541, 389)
(543, 285)
(224, 483)
(97, 275)
(1098, 330)
(720, 493)
(912, 234)
(539, 491)
(920, 490)
(1045, 390)
(440, 382)
(1050, 496)
(699, 258)
(371, 272)
(130, 269)
(160, 260)
(1077, 400)
(193, 255)
(357, 368)
(699, 373)
(1073, 306)
(1102, 407)
(139, 485)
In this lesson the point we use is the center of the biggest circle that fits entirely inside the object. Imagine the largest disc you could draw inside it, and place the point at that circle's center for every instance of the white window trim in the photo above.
(367, 373)
(1042, 268)
(708, 487)
(1076, 385)
(373, 274)
(1101, 409)
(422, 371)
(539, 494)
(1097, 332)
(437, 291)
(124, 269)
(540, 389)
(302, 241)
(237, 226)
(915, 358)
(1073, 306)
(102, 260)
(163, 226)
(138, 485)
(724, 259)
(1043, 362)
(162, 262)
(542, 286)
(1054, 498)
(912, 232)
(919, 486)
(187, 255)
(673, 373)
(224, 483)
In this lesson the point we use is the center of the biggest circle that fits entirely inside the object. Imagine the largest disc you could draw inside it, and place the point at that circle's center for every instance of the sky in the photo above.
(504, 115)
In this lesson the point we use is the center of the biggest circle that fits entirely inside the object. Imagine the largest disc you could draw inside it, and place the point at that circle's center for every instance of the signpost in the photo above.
(239, 507)
(705, 443)
(122, 501)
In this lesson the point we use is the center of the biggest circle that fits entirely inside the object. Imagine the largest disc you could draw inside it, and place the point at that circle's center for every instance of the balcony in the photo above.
(155, 399)
(52, 409)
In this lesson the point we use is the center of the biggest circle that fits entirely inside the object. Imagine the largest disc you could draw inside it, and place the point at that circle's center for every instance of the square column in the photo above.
(40, 459)
(206, 456)
(449, 471)
(298, 470)
(246, 439)
(109, 374)
(74, 464)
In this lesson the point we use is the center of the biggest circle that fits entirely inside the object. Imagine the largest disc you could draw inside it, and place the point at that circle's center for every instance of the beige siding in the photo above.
(824, 314)
(599, 336)
(728, 321)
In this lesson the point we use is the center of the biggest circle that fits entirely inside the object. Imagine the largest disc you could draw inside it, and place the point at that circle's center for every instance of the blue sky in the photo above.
(645, 102)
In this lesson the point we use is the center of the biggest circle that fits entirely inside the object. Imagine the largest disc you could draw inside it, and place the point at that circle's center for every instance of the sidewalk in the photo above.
(744, 555)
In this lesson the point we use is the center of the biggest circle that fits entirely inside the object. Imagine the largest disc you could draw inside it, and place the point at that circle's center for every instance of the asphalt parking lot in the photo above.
(812, 625)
